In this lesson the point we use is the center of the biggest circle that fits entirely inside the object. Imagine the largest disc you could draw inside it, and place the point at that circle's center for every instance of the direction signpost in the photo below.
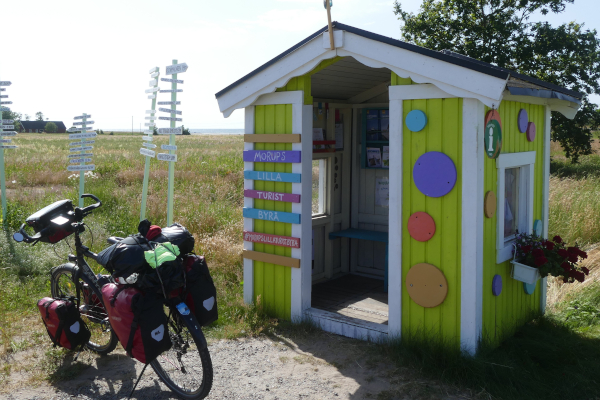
(154, 73)
(82, 157)
(4, 124)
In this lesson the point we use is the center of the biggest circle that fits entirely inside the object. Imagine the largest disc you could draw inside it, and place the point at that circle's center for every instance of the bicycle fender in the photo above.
(192, 324)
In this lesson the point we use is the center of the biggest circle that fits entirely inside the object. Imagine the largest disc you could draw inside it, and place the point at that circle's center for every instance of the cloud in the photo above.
(292, 20)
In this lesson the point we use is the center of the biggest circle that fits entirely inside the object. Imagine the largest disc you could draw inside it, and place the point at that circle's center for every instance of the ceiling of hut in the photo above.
(350, 81)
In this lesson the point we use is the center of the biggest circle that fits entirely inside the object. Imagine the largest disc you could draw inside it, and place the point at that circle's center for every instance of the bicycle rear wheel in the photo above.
(93, 313)
(186, 368)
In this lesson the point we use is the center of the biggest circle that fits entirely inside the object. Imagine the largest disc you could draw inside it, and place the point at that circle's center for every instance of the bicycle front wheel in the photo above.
(186, 368)
(93, 313)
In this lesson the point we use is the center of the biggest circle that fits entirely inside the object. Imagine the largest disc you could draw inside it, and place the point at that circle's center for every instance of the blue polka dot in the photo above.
(529, 287)
(416, 120)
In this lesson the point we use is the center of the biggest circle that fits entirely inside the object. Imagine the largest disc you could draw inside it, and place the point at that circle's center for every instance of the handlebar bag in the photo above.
(200, 293)
(139, 321)
(63, 323)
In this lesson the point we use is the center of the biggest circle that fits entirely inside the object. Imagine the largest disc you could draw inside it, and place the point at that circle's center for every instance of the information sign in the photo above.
(89, 167)
(82, 135)
(153, 70)
(169, 119)
(152, 96)
(176, 68)
(166, 157)
(3, 96)
(147, 138)
(154, 75)
(168, 103)
(147, 152)
(148, 132)
(83, 123)
(149, 145)
(5, 102)
(152, 82)
(168, 110)
(8, 133)
(150, 111)
(8, 147)
(80, 143)
(153, 90)
(84, 148)
(168, 147)
(170, 131)
(5, 140)
(81, 155)
(7, 121)
(152, 118)
(7, 127)
(149, 124)
(83, 116)
(8, 83)
(80, 160)
(171, 91)
(4, 109)
(171, 80)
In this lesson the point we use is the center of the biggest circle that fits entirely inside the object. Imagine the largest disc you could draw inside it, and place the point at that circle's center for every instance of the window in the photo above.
(319, 186)
(515, 200)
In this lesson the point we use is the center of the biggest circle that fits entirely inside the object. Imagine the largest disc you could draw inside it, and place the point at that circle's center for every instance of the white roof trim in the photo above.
(565, 107)
(453, 79)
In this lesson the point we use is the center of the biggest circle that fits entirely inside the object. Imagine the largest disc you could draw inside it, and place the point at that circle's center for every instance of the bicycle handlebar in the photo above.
(90, 208)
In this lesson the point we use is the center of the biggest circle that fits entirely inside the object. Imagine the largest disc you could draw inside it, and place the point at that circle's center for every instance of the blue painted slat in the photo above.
(268, 215)
(272, 156)
(273, 176)
(361, 234)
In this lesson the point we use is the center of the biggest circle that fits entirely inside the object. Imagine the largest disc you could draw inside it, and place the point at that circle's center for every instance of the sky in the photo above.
(68, 57)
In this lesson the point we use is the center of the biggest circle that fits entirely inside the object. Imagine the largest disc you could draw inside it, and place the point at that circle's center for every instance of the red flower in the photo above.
(565, 266)
(585, 270)
(573, 250)
(566, 279)
(573, 258)
(539, 261)
(557, 239)
(582, 254)
(537, 253)
(526, 249)
(580, 276)
(563, 253)
(549, 245)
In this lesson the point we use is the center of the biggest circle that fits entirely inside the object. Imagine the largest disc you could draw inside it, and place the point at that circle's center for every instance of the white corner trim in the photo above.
(418, 92)
(510, 160)
(395, 220)
(546, 196)
(248, 202)
(471, 270)
(565, 107)
(338, 39)
(294, 97)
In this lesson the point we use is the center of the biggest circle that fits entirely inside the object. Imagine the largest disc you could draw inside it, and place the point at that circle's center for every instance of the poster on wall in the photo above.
(386, 157)
(373, 157)
(382, 192)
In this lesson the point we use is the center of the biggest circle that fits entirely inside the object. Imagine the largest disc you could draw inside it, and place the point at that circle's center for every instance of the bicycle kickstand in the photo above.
(138, 381)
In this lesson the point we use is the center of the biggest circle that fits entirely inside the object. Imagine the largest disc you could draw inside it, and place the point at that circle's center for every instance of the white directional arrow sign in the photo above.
(168, 103)
(147, 138)
(83, 123)
(150, 111)
(3, 96)
(152, 118)
(152, 90)
(152, 96)
(2, 90)
(166, 157)
(168, 147)
(4, 109)
(169, 119)
(170, 131)
(171, 91)
(5, 140)
(149, 145)
(83, 116)
(149, 124)
(153, 70)
(83, 142)
(7, 127)
(176, 69)
(5, 83)
(8, 133)
(168, 110)
(82, 135)
(154, 75)
(149, 132)
(171, 80)
(81, 167)
(7, 121)
(152, 82)
(147, 152)
(5, 102)
(84, 148)
(81, 155)
(80, 160)
(8, 147)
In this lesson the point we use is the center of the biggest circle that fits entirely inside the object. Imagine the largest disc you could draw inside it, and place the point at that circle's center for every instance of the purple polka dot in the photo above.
(497, 285)
(522, 120)
(434, 174)
(531, 131)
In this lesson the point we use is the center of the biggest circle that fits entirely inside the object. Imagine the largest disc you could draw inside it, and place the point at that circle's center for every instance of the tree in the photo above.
(39, 116)
(184, 130)
(500, 32)
(27, 117)
(50, 127)
(15, 116)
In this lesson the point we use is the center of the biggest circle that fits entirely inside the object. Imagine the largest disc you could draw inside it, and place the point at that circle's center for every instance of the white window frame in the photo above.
(525, 161)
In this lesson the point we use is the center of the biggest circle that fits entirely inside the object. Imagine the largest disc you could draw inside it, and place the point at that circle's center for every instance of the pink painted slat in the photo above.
(262, 195)
(276, 240)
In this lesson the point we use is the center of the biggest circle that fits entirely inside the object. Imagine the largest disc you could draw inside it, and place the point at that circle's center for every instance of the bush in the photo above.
(50, 127)
(111, 134)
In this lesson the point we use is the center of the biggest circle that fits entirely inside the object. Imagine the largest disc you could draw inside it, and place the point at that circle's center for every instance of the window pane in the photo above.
(319, 190)
(511, 202)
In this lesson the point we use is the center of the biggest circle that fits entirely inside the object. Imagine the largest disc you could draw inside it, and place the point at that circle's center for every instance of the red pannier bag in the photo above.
(63, 323)
(200, 294)
(139, 321)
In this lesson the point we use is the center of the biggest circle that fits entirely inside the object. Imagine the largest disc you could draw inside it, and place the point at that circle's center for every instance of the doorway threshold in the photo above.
(347, 326)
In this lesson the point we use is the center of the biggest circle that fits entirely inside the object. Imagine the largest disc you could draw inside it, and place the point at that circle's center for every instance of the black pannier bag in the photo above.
(126, 257)
(171, 274)
(178, 235)
(139, 321)
(63, 323)
(58, 216)
(200, 293)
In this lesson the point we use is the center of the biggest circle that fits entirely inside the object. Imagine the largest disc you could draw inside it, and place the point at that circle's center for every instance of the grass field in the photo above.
(555, 356)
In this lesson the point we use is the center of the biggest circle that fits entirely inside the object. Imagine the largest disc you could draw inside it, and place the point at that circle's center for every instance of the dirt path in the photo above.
(321, 366)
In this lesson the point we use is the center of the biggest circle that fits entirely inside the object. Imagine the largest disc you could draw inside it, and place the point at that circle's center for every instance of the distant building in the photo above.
(38, 126)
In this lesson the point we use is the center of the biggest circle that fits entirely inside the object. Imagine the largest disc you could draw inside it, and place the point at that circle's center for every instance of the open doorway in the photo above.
(350, 181)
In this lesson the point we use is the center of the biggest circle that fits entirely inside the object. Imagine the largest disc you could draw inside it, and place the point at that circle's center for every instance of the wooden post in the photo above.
(147, 164)
(2, 180)
(81, 173)
(328, 6)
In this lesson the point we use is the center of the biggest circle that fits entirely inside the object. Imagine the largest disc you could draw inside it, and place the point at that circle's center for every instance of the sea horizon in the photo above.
(193, 131)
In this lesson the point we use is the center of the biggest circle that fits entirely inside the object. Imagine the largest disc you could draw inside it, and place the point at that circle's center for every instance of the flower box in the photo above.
(524, 273)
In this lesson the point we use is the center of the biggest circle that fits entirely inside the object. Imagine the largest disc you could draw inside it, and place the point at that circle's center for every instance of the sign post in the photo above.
(154, 73)
(2, 147)
(81, 159)
(173, 70)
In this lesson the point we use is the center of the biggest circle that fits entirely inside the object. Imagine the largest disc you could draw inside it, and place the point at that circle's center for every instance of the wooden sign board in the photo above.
(169, 119)
(154, 74)
(152, 82)
(147, 138)
(7, 127)
(168, 147)
(5, 140)
(263, 195)
(81, 143)
(150, 111)
(149, 124)
(171, 80)
(149, 145)
(170, 131)
(84, 148)
(152, 96)
(3, 96)
(7, 121)
(80, 160)
(5, 83)
(176, 69)
(171, 91)
(4, 109)
(83, 116)
(271, 259)
(152, 90)
(168, 110)
(168, 103)
(8, 147)
(83, 123)
(147, 152)
(5, 102)
(148, 132)
(273, 176)
(81, 155)
(166, 157)
(153, 70)
(81, 167)
(8, 133)
(274, 216)
(275, 240)
(83, 135)
(272, 156)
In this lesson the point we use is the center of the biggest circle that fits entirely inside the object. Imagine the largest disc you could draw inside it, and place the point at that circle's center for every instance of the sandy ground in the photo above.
(316, 366)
